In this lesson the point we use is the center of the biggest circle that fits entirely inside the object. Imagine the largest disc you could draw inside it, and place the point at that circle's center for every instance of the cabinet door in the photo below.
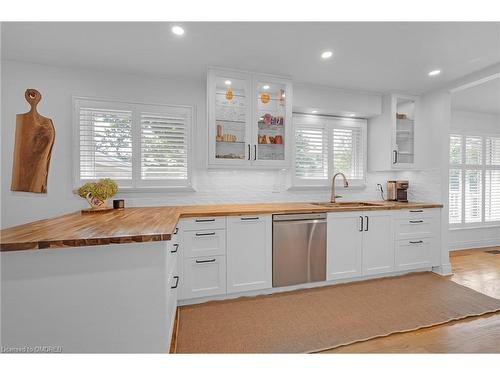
(204, 276)
(249, 253)
(344, 245)
(378, 242)
(404, 132)
(272, 122)
(229, 117)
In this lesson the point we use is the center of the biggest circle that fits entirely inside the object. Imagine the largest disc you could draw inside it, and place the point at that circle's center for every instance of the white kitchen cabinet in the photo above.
(203, 276)
(249, 253)
(359, 243)
(344, 241)
(394, 138)
(249, 119)
(378, 242)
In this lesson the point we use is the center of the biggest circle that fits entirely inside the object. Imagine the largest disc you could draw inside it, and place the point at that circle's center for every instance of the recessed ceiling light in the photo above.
(177, 30)
(227, 82)
(434, 72)
(314, 111)
(326, 54)
(352, 115)
(265, 87)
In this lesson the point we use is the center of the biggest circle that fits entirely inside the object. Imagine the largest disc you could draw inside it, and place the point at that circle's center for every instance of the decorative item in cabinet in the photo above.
(265, 97)
(229, 93)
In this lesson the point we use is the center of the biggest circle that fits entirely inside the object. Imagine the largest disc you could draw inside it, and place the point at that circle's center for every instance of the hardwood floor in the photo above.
(475, 269)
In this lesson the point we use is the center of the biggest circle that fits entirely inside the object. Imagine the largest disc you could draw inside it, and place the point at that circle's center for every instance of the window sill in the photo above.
(486, 226)
(325, 187)
(158, 189)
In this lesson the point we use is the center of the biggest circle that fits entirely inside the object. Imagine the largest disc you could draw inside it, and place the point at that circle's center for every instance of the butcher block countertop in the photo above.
(145, 224)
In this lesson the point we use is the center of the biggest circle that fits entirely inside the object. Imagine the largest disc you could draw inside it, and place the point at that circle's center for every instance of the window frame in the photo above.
(463, 167)
(136, 184)
(328, 124)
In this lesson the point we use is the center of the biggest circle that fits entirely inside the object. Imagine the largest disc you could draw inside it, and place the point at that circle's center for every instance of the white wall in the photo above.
(58, 85)
(474, 123)
(96, 299)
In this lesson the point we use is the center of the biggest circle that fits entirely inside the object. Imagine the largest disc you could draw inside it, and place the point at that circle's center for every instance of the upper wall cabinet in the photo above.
(249, 119)
(394, 137)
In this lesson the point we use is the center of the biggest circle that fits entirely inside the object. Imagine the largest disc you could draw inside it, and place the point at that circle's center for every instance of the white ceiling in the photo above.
(379, 57)
(481, 98)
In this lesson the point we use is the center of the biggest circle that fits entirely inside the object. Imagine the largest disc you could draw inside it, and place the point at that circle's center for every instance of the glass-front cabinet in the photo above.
(249, 118)
(404, 131)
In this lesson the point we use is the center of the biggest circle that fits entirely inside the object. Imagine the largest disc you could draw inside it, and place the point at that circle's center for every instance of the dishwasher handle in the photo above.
(306, 221)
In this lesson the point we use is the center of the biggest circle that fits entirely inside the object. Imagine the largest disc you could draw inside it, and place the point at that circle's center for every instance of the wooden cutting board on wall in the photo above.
(35, 136)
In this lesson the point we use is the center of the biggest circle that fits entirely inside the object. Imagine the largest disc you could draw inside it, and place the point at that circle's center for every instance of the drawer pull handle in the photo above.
(205, 261)
(176, 230)
(205, 234)
(176, 283)
(417, 241)
(416, 210)
(416, 221)
(204, 220)
(176, 247)
(249, 218)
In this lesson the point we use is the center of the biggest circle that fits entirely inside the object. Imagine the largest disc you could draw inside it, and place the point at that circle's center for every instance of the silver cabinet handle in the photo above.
(176, 247)
(249, 218)
(395, 160)
(204, 220)
(205, 234)
(205, 261)
(416, 210)
(249, 151)
(176, 283)
(254, 152)
(361, 224)
(417, 241)
(176, 230)
(416, 221)
(367, 222)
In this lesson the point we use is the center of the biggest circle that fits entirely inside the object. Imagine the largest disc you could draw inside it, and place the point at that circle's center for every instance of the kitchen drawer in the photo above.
(202, 223)
(173, 286)
(414, 253)
(417, 213)
(208, 242)
(173, 251)
(204, 276)
(417, 227)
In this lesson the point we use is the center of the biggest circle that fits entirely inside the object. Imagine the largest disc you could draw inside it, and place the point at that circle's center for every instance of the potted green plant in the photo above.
(97, 193)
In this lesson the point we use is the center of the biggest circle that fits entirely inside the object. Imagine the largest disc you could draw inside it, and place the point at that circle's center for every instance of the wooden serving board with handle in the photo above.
(35, 136)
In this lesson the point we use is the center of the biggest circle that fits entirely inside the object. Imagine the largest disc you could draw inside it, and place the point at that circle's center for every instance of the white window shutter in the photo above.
(164, 147)
(455, 196)
(348, 152)
(455, 149)
(493, 151)
(473, 196)
(492, 195)
(311, 152)
(105, 144)
(473, 150)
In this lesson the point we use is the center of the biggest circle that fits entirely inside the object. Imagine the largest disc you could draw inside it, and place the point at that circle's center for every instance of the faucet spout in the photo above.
(346, 184)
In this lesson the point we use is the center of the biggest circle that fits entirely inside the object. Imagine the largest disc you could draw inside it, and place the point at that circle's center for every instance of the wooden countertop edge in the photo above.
(187, 212)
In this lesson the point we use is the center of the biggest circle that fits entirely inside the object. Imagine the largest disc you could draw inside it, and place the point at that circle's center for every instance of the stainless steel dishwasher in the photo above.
(299, 248)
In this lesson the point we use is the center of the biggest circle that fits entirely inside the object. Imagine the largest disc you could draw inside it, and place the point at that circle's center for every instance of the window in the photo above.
(327, 145)
(137, 145)
(474, 180)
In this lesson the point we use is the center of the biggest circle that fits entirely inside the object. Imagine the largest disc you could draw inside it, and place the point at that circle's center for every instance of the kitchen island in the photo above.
(111, 282)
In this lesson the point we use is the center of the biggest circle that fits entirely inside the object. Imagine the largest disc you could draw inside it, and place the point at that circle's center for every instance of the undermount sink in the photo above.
(353, 204)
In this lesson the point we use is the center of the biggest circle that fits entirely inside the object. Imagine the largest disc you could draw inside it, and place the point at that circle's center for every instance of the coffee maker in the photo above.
(397, 191)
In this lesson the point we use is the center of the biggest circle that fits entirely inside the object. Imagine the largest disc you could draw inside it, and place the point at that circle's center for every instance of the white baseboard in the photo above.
(443, 270)
(461, 245)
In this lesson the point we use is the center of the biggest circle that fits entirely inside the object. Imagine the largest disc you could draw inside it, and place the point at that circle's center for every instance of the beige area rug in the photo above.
(323, 318)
